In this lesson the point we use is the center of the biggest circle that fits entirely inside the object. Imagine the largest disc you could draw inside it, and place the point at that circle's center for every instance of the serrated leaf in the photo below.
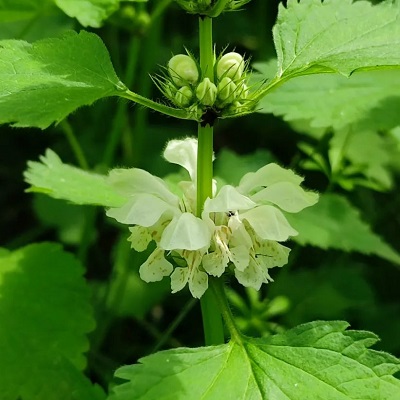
(333, 223)
(336, 36)
(62, 181)
(335, 101)
(318, 361)
(45, 81)
(45, 315)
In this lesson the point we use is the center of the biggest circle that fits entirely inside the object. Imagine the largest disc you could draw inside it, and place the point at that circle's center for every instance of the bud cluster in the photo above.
(211, 8)
(227, 93)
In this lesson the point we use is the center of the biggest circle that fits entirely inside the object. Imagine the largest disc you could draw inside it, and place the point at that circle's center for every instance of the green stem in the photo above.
(218, 8)
(206, 48)
(204, 165)
(175, 323)
(73, 142)
(163, 109)
(212, 320)
(217, 288)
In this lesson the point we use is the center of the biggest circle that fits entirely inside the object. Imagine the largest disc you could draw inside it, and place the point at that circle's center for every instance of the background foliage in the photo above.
(344, 265)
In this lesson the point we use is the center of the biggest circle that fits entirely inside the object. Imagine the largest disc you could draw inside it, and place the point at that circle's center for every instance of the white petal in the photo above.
(269, 223)
(185, 232)
(239, 236)
(286, 195)
(142, 209)
(140, 238)
(252, 276)
(266, 176)
(240, 257)
(215, 263)
(135, 181)
(155, 267)
(179, 279)
(273, 254)
(228, 199)
(198, 283)
(183, 153)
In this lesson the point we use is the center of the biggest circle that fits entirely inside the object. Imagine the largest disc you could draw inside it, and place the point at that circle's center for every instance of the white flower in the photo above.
(249, 223)
(156, 213)
(240, 227)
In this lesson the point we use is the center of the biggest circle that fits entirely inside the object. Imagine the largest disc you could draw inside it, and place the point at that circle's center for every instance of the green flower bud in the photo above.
(183, 97)
(227, 91)
(195, 6)
(230, 65)
(183, 70)
(206, 92)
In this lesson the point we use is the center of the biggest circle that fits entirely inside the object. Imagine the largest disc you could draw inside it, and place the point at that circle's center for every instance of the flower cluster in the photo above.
(239, 230)
(227, 93)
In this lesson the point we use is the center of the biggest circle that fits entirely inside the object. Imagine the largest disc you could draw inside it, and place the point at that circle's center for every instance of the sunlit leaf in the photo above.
(336, 36)
(318, 358)
(45, 81)
(90, 12)
(62, 181)
(368, 100)
(333, 223)
(45, 315)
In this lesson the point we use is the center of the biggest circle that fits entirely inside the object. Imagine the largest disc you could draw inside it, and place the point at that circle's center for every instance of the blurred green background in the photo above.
(134, 318)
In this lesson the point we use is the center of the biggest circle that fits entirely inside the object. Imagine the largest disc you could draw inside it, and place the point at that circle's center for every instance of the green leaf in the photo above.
(45, 315)
(369, 155)
(90, 12)
(335, 101)
(45, 81)
(336, 36)
(333, 223)
(67, 219)
(317, 360)
(62, 181)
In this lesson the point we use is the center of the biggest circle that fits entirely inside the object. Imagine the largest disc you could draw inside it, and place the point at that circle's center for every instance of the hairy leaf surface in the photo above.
(337, 101)
(63, 181)
(44, 315)
(336, 36)
(321, 358)
(43, 82)
(333, 223)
